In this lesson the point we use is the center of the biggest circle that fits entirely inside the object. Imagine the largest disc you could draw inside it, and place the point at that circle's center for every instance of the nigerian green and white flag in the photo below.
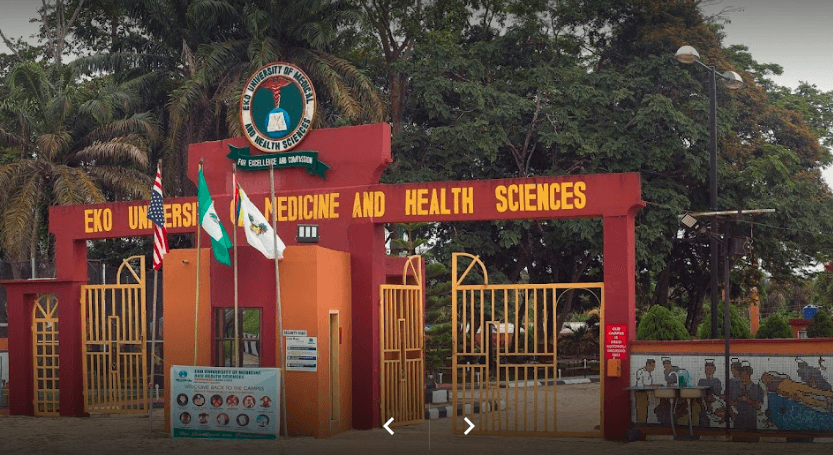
(220, 242)
(258, 232)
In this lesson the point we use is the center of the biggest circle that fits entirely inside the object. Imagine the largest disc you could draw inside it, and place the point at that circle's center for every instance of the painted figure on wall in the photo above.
(804, 394)
(812, 375)
(669, 371)
(708, 402)
(764, 392)
(746, 400)
(644, 400)
(800, 405)
(671, 374)
(732, 389)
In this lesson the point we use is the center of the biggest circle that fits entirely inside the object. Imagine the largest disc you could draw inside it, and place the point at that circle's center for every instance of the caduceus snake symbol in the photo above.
(275, 84)
(278, 119)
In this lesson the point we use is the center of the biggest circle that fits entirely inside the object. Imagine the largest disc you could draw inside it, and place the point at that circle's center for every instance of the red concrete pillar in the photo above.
(367, 269)
(70, 254)
(71, 354)
(20, 351)
(71, 269)
(620, 308)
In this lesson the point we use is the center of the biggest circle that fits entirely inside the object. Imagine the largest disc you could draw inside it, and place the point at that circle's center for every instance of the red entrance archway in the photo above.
(350, 207)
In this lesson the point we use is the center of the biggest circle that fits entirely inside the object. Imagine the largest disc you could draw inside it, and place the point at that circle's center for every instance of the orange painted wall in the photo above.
(333, 272)
(798, 325)
(804, 346)
(314, 282)
(754, 319)
(180, 272)
(4, 344)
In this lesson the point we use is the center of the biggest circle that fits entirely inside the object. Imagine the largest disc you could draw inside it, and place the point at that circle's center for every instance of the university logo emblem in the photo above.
(277, 107)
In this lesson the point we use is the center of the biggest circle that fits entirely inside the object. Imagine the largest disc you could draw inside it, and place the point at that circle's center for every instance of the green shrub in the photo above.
(775, 326)
(660, 324)
(738, 328)
(821, 326)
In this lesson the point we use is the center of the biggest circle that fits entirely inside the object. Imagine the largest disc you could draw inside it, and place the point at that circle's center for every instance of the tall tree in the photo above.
(396, 26)
(254, 33)
(57, 21)
(203, 51)
(480, 109)
(596, 90)
(767, 156)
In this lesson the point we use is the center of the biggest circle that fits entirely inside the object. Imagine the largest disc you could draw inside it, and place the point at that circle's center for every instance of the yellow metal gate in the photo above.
(115, 347)
(504, 365)
(401, 330)
(45, 349)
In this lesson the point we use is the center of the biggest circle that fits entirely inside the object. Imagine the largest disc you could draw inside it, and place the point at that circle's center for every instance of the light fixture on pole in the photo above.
(688, 54)
(732, 80)
(688, 220)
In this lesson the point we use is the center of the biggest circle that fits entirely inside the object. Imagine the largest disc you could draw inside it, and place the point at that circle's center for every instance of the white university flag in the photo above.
(258, 231)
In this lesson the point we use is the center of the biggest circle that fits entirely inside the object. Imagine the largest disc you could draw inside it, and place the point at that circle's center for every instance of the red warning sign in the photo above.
(616, 341)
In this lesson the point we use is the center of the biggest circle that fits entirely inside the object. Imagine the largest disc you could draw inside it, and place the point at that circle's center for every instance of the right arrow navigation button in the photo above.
(471, 425)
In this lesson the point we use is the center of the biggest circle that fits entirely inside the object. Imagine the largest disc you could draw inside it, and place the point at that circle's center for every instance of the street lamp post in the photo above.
(732, 80)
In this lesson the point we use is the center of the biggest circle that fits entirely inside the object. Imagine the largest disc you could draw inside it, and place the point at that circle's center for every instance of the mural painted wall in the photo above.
(773, 392)
(4, 368)
(4, 378)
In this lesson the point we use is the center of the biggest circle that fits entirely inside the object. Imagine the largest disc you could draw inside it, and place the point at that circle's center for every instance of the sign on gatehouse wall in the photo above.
(231, 403)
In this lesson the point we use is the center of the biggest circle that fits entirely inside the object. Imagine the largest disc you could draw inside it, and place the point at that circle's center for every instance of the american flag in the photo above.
(156, 213)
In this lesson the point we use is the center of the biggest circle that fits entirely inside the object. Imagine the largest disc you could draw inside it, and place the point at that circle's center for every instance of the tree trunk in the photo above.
(114, 27)
(33, 242)
(578, 271)
(398, 87)
(661, 291)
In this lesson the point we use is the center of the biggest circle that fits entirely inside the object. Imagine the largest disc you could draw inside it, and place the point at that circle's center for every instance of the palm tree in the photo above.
(77, 143)
(203, 51)
(255, 33)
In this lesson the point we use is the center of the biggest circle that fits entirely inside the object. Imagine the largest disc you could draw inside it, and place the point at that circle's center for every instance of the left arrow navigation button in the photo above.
(386, 427)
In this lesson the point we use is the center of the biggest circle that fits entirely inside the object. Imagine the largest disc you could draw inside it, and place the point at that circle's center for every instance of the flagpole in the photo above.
(197, 303)
(153, 332)
(278, 299)
(153, 349)
(237, 350)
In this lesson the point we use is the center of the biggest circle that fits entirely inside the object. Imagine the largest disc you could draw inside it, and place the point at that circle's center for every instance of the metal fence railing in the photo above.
(26, 270)
(98, 272)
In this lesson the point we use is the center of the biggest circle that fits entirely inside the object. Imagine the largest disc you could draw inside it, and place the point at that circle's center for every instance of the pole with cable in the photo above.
(278, 300)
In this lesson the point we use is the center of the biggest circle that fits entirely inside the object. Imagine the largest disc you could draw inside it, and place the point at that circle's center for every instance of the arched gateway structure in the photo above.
(350, 208)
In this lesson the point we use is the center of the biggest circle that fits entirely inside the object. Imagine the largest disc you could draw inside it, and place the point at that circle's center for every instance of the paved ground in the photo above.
(126, 435)
(122, 435)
